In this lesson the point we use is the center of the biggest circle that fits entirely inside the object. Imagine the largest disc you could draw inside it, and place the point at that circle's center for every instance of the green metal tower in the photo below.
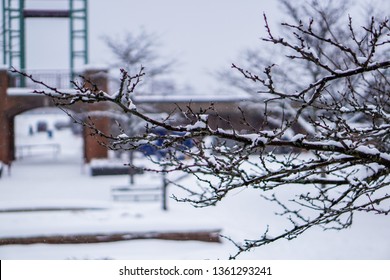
(13, 31)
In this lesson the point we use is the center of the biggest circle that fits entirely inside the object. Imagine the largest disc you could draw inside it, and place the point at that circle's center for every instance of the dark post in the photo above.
(164, 190)
(131, 167)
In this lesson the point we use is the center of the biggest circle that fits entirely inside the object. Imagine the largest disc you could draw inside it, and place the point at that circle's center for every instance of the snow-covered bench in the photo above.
(137, 194)
(28, 150)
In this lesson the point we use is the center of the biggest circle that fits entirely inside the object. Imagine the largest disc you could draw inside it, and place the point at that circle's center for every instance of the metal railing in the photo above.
(53, 78)
(23, 151)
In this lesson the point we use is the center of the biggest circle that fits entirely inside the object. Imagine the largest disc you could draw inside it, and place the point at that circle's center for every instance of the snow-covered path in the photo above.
(49, 181)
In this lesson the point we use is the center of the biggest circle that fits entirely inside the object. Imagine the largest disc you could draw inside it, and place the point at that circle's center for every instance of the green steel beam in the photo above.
(4, 34)
(86, 58)
(71, 39)
(78, 15)
(22, 41)
(14, 39)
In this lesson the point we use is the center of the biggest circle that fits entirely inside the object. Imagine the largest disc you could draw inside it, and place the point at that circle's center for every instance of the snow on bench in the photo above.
(137, 194)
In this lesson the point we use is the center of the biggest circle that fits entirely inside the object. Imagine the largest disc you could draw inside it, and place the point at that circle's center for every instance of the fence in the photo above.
(54, 78)
(23, 151)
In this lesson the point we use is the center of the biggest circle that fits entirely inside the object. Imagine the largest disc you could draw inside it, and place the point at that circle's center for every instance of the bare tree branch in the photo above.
(325, 140)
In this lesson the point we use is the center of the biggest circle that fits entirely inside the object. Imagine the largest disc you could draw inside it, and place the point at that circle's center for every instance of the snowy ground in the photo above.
(44, 178)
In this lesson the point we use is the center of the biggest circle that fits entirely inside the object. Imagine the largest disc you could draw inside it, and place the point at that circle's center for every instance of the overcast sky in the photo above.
(203, 35)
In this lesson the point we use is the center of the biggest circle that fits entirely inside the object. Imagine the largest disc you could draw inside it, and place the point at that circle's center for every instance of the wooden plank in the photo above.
(49, 209)
(204, 235)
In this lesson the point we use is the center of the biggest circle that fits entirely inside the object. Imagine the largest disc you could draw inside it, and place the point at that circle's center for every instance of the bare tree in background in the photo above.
(130, 52)
(133, 50)
(331, 17)
(333, 165)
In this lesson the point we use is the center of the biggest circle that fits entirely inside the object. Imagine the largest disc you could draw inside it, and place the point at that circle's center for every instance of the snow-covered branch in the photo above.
(326, 139)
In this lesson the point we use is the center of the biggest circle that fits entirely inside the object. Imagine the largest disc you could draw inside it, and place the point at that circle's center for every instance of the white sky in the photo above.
(203, 35)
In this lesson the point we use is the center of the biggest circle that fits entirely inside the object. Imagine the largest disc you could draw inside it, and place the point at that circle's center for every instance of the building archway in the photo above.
(15, 101)
(47, 134)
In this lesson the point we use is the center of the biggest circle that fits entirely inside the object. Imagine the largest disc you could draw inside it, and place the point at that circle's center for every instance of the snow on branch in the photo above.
(326, 141)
